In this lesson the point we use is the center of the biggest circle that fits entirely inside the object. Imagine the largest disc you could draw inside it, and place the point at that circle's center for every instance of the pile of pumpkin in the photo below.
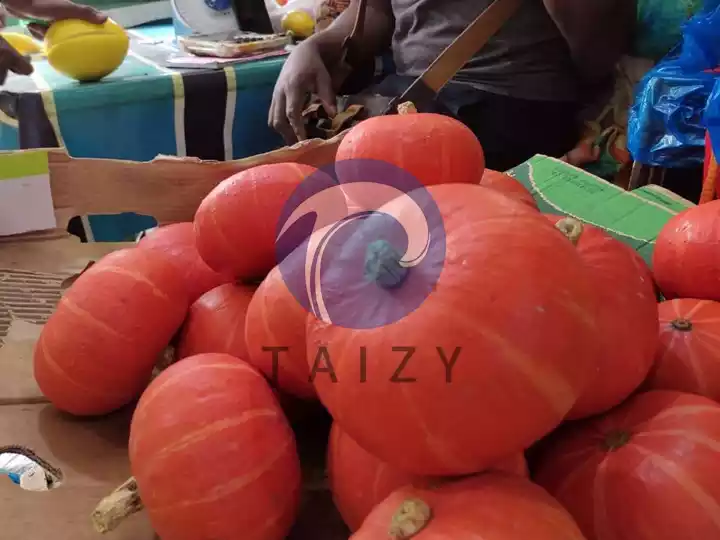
(543, 322)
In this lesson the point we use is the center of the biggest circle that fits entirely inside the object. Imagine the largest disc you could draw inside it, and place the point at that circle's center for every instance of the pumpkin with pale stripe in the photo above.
(517, 326)
(177, 241)
(688, 359)
(216, 322)
(359, 481)
(434, 148)
(275, 336)
(626, 313)
(646, 470)
(491, 506)
(97, 351)
(237, 223)
(213, 455)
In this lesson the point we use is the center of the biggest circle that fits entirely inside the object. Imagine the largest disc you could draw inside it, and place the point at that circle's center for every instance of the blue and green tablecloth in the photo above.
(142, 110)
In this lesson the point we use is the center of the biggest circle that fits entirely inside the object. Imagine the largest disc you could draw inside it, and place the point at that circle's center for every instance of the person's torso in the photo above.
(528, 58)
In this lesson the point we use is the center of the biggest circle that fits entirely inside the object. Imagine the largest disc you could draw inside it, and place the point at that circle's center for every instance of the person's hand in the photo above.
(11, 60)
(304, 73)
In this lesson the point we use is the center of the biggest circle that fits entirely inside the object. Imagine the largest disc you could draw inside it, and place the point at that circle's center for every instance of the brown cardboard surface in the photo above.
(93, 458)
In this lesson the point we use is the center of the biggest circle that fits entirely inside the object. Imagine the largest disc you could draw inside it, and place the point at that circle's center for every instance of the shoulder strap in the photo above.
(460, 51)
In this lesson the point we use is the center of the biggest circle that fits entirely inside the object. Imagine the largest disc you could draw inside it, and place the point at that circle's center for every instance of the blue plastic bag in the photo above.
(666, 127)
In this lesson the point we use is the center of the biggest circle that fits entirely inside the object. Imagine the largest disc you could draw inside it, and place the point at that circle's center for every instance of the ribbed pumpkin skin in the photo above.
(664, 483)
(686, 261)
(236, 224)
(506, 184)
(359, 481)
(216, 322)
(435, 149)
(687, 359)
(213, 455)
(177, 241)
(276, 319)
(525, 327)
(493, 506)
(627, 320)
(97, 351)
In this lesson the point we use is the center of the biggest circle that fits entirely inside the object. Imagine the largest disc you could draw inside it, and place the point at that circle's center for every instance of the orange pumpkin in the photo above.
(687, 358)
(177, 241)
(236, 224)
(216, 322)
(489, 506)
(275, 337)
(98, 350)
(686, 261)
(506, 184)
(434, 148)
(359, 481)
(515, 326)
(213, 455)
(648, 469)
(626, 314)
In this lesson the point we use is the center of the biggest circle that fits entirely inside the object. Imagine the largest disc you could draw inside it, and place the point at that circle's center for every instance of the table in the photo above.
(142, 110)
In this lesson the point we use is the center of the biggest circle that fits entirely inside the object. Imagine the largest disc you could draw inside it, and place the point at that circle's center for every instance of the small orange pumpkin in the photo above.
(216, 322)
(98, 350)
(434, 148)
(275, 337)
(236, 224)
(213, 454)
(493, 506)
(177, 242)
(359, 481)
(687, 359)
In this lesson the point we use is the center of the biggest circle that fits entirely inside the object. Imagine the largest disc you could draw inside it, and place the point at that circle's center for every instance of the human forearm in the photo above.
(597, 32)
(376, 34)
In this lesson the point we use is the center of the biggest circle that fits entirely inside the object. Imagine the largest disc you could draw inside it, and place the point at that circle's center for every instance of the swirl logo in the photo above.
(361, 244)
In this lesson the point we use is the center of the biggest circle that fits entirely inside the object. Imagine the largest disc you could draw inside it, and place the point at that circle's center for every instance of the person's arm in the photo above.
(376, 35)
(598, 32)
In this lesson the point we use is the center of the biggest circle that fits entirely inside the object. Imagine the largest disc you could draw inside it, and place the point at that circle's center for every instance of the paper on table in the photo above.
(25, 197)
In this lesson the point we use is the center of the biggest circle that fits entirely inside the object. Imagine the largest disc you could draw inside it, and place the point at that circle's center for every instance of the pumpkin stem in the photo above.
(116, 507)
(616, 439)
(407, 107)
(411, 518)
(682, 325)
(572, 228)
(382, 265)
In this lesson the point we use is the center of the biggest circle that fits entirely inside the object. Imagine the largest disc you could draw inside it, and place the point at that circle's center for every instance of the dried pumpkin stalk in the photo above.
(123, 502)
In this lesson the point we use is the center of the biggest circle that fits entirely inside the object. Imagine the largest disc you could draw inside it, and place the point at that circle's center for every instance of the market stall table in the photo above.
(142, 110)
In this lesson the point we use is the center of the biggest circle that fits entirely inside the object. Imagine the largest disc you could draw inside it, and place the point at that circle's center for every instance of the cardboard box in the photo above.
(634, 217)
(35, 267)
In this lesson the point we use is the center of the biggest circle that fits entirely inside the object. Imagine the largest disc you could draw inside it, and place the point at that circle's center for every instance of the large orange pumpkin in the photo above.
(275, 336)
(216, 322)
(213, 455)
(511, 314)
(489, 506)
(237, 223)
(434, 148)
(687, 359)
(648, 469)
(98, 350)
(504, 183)
(686, 261)
(359, 481)
(177, 241)
(626, 312)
